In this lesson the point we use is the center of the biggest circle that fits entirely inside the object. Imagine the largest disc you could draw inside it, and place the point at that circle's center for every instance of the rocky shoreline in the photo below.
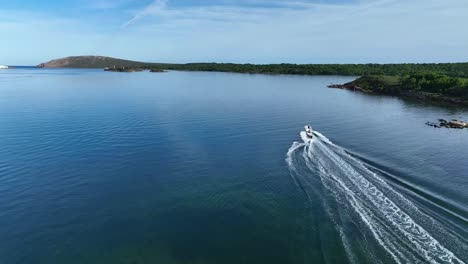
(157, 70)
(390, 87)
(419, 95)
(454, 123)
(350, 87)
(434, 97)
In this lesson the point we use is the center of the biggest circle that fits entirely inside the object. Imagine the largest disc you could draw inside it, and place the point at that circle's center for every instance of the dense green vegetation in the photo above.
(449, 69)
(377, 84)
(421, 84)
(435, 83)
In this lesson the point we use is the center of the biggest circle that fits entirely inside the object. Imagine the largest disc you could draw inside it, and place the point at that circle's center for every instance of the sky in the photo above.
(238, 31)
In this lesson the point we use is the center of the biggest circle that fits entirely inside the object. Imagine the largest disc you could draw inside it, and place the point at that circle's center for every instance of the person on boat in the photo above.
(308, 130)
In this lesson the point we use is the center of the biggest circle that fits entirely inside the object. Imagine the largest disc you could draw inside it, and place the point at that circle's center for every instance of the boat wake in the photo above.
(376, 223)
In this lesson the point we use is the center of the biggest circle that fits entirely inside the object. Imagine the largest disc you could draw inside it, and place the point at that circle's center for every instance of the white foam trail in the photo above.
(387, 215)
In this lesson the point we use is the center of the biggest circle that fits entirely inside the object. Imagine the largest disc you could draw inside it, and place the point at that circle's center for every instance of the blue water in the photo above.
(193, 167)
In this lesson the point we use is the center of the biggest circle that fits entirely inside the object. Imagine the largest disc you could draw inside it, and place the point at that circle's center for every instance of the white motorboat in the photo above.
(309, 132)
(3, 67)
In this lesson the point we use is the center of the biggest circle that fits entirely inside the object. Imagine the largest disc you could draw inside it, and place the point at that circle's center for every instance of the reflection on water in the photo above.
(188, 167)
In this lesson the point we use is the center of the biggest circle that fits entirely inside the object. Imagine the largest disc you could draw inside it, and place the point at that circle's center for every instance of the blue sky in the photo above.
(255, 31)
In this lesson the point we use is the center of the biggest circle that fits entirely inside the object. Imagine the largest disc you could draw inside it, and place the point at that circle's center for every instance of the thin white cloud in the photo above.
(154, 8)
(235, 13)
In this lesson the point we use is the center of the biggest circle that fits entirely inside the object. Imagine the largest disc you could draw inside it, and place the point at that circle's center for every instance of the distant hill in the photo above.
(91, 62)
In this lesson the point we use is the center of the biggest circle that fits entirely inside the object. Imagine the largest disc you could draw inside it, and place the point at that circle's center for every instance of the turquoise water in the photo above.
(193, 167)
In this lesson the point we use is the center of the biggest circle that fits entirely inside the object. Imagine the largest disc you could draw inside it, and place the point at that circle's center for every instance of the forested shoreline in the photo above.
(449, 69)
(426, 80)
(427, 86)
(440, 82)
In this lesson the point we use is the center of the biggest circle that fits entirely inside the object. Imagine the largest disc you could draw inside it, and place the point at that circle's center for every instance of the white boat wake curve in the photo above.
(358, 200)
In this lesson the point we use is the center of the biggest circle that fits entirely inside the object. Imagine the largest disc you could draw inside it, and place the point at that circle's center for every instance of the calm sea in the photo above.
(193, 167)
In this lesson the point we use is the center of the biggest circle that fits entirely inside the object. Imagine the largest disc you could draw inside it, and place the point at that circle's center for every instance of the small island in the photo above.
(123, 69)
(157, 70)
(129, 69)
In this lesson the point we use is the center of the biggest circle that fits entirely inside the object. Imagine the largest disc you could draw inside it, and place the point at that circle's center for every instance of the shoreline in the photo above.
(423, 96)
(351, 86)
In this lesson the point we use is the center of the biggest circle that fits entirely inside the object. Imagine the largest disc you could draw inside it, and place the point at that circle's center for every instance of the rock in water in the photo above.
(454, 123)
